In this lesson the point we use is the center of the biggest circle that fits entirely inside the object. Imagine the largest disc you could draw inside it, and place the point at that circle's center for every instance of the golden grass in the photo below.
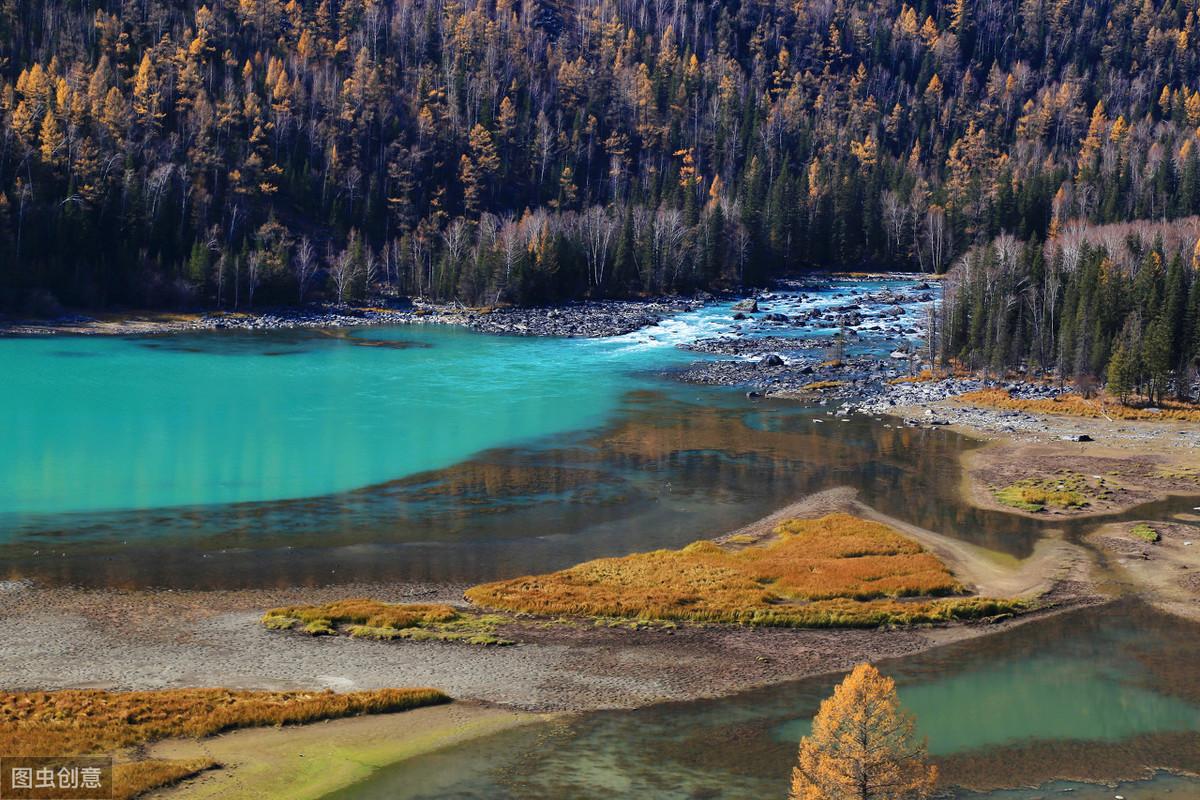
(1076, 406)
(134, 778)
(817, 386)
(924, 376)
(838, 570)
(371, 619)
(93, 721)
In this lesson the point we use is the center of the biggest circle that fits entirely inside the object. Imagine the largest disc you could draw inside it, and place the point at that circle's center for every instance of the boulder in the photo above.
(749, 304)
(771, 360)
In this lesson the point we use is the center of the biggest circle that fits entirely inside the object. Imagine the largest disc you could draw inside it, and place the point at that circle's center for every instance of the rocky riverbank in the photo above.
(578, 319)
(773, 375)
(839, 344)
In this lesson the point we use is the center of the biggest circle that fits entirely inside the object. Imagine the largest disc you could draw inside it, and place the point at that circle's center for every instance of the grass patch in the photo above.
(817, 386)
(838, 570)
(90, 721)
(1145, 533)
(924, 376)
(1064, 490)
(1076, 406)
(371, 619)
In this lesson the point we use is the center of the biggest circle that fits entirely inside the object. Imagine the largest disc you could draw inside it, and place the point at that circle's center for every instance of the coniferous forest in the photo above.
(166, 152)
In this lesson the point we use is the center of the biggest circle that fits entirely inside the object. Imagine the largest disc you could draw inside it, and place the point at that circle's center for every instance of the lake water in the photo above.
(222, 460)
(1094, 693)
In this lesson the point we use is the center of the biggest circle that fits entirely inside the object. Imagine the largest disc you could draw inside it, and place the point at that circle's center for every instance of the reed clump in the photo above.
(836, 571)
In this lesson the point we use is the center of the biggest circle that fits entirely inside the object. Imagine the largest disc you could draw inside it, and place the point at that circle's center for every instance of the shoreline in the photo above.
(143, 639)
(576, 319)
(1147, 462)
(307, 762)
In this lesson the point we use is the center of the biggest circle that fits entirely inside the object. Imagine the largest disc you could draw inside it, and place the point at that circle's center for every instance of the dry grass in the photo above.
(371, 619)
(838, 570)
(134, 778)
(1076, 406)
(91, 721)
(817, 386)
(924, 376)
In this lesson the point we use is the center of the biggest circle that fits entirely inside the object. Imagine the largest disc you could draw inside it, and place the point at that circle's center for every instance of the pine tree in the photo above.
(1120, 374)
(862, 746)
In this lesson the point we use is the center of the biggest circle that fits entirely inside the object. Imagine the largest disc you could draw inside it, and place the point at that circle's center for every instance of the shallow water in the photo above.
(1096, 693)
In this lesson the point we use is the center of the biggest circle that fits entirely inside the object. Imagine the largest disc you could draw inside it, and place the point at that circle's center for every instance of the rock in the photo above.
(753, 395)
(739, 315)
(776, 317)
(771, 360)
(1076, 437)
(749, 304)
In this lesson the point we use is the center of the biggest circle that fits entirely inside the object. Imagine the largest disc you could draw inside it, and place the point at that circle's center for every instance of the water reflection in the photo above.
(676, 464)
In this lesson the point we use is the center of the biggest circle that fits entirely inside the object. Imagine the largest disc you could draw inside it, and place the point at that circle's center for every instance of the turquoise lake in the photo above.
(97, 424)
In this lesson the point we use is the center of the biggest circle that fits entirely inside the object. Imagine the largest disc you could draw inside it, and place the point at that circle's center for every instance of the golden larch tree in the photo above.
(862, 746)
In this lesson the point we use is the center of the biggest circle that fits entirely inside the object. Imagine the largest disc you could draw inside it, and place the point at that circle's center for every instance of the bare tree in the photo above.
(304, 265)
(596, 229)
(937, 238)
(669, 244)
(343, 270)
(253, 275)
(895, 215)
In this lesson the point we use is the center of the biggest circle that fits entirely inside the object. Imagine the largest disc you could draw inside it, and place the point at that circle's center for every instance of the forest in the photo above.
(1115, 304)
(228, 154)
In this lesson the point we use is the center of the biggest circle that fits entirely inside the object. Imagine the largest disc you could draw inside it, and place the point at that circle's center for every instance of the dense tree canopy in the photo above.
(1116, 304)
(157, 151)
